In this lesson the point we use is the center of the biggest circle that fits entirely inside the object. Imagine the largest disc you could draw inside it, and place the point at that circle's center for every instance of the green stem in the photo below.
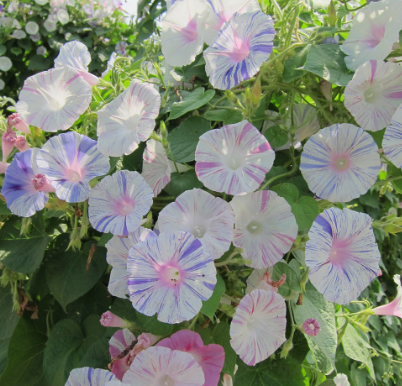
(193, 322)
(379, 183)
(273, 179)
(221, 264)
(292, 27)
(170, 198)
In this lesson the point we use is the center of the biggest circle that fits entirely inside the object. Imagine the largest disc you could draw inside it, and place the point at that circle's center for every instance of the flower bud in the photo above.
(109, 319)
(256, 93)
(332, 14)
(21, 144)
(304, 279)
(164, 132)
(14, 120)
(227, 380)
(326, 89)
(287, 347)
(231, 97)
(147, 340)
(7, 143)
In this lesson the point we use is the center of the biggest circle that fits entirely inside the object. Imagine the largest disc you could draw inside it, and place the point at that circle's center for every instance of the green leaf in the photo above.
(3, 49)
(210, 306)
(26, 45)
(193, 101)
(276, 137)
(153, 325)
(220, 335)
(23, 253)
(39, 62)
(133, 161)
(184, 139)
(179, 183)
(66, 270)
(3, 208)
(227, 117)
(288, 191)
(293, 66)
(378, 136)
(292, 282)
(323, 346)
(16, 51)
(124, 309)
(25, 356)
(393, 171)
(270, 373)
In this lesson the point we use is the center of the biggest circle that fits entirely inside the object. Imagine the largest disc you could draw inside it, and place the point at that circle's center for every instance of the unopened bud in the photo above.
(256, 93)
(332, 14)
(231, 97)
(25, 225)
(227, 380)
(326, 89)
(304, 279)
(279, 67)
(109, 319)
(164, 132)
(287, 347)
(21, 144)
(75, 239)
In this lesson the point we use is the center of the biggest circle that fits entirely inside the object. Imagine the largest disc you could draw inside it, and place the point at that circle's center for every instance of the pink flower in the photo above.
(21, 144)
(14, 120)
(111, 320)
(121, 342)
(210, 357)
(8, 140)
(395, 307)
(3, 167)
(147, 340)
(311, 327)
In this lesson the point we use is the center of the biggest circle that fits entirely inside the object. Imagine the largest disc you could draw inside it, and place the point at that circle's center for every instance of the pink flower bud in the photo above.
(41, 183)
(3, 167)
(147, 340)
(21, 144)
(7, 143)
(227, 380)
(111, 320)
(311, 327)
(16, 121)
(395, 307)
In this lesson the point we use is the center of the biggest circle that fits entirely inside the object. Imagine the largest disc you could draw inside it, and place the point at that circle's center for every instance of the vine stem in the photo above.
(289, 173)
(379, 183)
(222, 263)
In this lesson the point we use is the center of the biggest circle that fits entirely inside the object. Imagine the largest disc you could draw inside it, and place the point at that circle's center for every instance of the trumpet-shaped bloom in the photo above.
(118, 203)
(87, 376)
(53, 100)
(170, 275)
(374, 30)
(70, 161)
(208, 218)
(242, 46)
(395, 307)
(341, 380)
(265, 227)
(340, 162)
(108, 319)
(120, 342)
(374, 94)
(121, 48)
(342, 254)
(210, 357)
(392, 142)
(157, 168)
(128, 120)
(181, 42)
(76, 55)
(258, 327)
(233, 159)
(220, 12)
(24, 189)
(117, 255)
(158, 366)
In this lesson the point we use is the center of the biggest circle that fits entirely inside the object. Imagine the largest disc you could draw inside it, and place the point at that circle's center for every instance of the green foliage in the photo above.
(179, 183)
(220, 335)
(211, 305)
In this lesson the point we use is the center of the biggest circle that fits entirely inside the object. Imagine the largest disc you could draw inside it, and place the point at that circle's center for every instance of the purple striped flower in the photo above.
(233, 159)
(120, 342)
(340, 162)
(265, 227)
(242, 46)
(258, 327)
(24, 189)
(117, 255)
(170, 275)
(118, 203)
(392, 142)
(374, 94)
(208, 218)
(342, 254)
(121, 48)
(70, 161)
(128, 120)
(76, 55)
(163, 366)
(87, 376)
(53, 100)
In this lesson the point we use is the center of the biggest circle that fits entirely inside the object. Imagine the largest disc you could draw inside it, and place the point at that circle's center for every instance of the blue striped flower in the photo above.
(340, 162)
(342, 254)
(392, 142)
(118, 203)
(170, 275)
(87, 376)
(70, 160)
(242, 46)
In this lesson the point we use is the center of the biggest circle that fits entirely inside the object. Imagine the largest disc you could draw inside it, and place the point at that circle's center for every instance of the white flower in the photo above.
(18, 34)
(32, 28)
(5, 63)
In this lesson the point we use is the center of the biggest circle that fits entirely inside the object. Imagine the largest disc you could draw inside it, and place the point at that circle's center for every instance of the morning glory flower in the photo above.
(258, 326)
(341, 380)
(395, 307)
(24, 189)
(170, 275)
(375, 29)
(259, 280)
(340, 162)
(374, 94)
(76, 55)
(392, 142)
(342, 254)
(121, 48)
(163, 366)
(14, 120)
(53, 100)
(242, 46)
(233, 159)
(120, 343)
(108, 319)
(118, 203)
(265, 227)
(208, 218)
(311, 327)
(181, 42)
(117, 255)
(128, 120)
(5, 63)
(18, 34)
(70, 161)
(87, 376)
(32, 28)
(210, 357)
(110, 64)
(220, 12)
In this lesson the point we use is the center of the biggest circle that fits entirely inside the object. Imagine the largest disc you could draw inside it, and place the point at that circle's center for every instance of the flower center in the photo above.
(39, 181)
(340, 162)
(166, 381)
(234, 161)
(240, 50)
(73, 175)
(198, 231)
(371, 95)
(254, 227)
(311, 326)
(124, 207)
(190, 31)
(171, 275)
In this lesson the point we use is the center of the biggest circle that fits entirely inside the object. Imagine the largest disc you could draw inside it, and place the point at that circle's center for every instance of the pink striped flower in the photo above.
(128, 120)
(392, 142)
(53, 100)
(265, 227)
(208, 218)
(109, 319)
(210, 357)
(395, 307)
(233, 159)
(258, 327)
(120, 344)
(311, 327)
(374, 94)
(88, 376)
(14, 120)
